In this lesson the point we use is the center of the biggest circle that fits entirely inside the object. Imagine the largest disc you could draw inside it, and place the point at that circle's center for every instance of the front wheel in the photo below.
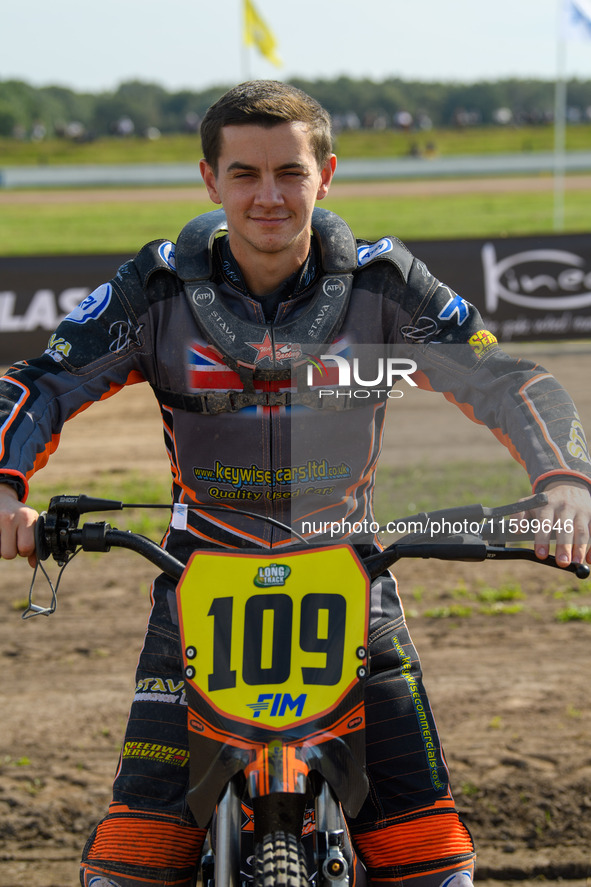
(279, 861)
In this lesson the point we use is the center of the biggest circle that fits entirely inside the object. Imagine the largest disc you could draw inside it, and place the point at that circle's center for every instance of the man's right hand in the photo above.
(17, 526)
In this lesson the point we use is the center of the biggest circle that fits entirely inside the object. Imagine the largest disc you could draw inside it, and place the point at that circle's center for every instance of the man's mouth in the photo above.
(269, 220)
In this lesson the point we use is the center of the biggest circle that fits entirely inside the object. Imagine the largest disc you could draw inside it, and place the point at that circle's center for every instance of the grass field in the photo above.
(43, 226)
(78, 227)
(445, 216)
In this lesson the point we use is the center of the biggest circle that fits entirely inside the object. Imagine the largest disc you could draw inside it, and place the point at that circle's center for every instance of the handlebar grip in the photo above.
(581, 571)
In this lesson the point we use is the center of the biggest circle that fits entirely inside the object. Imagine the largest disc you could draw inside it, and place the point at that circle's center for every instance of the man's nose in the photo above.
(268, 191)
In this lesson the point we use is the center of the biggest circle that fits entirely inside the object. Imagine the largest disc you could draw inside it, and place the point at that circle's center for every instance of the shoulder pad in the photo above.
(155, 256)
(337, 243)
(194, 244)
(387, 249)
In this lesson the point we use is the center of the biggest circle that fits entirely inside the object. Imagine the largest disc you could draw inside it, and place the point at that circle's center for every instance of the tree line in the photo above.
(148, 109)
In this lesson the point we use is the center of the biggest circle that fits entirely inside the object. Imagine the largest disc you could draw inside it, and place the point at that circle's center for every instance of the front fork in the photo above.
(279, 767)
(229, 824)
(332, 866)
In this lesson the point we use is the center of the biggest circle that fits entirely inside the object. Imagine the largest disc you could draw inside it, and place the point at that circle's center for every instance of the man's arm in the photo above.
(17, 526)
(525, 407)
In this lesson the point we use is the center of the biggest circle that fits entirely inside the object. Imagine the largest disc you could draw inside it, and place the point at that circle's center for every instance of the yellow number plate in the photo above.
(275, 641)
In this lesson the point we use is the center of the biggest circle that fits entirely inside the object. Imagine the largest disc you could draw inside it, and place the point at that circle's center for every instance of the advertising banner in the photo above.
(37, 292)
(527, 288)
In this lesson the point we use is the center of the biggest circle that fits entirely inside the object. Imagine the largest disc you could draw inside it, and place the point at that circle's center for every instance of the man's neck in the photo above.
(289, 286)
(264, 272)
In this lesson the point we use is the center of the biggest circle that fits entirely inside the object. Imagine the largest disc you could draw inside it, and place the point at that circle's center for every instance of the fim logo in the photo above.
(274, 574)
(279, 703)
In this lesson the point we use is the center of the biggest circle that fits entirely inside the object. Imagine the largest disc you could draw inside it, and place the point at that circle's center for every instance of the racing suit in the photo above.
(289, 460)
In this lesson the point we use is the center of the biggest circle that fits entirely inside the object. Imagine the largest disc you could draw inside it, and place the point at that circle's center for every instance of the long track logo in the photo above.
(272, 575)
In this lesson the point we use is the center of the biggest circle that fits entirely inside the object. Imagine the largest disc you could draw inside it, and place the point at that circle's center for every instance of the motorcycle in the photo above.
(275, 656)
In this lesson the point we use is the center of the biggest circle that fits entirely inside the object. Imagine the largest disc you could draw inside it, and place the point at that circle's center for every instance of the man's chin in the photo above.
(272, 243)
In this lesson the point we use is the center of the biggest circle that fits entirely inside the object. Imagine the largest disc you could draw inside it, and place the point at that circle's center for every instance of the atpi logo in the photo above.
(203, 297)
(271, 576)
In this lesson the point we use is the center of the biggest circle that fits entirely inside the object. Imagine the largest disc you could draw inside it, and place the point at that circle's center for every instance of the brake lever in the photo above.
(529, 504)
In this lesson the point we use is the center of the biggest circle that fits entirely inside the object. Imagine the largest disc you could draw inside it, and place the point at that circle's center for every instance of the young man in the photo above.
(221, 375)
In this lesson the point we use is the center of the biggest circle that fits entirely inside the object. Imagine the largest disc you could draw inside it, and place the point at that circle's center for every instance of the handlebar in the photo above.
(58, 535)
(462, 548)
(485, 530)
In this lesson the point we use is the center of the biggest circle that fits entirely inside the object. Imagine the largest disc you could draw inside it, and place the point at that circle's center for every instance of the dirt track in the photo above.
(510, 692)
(493, 185)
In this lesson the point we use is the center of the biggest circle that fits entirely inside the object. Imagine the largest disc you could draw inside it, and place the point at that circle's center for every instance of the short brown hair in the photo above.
(265, 103)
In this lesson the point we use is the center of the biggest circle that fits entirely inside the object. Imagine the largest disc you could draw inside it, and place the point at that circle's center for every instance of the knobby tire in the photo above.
(280, 861)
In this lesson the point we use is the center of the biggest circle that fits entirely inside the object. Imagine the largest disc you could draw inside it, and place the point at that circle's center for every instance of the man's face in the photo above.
(268, 181)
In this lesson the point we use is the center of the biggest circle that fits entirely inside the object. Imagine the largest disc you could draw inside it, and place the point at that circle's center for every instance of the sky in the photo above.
(193, 44)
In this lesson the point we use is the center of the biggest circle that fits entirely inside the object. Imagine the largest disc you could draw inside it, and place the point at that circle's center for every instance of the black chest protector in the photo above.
(259, 351)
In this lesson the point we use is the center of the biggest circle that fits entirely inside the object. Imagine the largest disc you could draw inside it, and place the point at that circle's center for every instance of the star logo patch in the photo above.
(283, 350)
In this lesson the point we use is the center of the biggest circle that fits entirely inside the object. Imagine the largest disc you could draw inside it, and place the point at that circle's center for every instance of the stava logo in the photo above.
(272, 576)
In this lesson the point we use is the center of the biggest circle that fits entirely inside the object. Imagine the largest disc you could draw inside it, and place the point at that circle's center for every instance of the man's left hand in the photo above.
(568, 510)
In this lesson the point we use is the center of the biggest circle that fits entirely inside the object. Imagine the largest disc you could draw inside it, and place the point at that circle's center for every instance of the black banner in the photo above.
(37, 292)
(536, 288)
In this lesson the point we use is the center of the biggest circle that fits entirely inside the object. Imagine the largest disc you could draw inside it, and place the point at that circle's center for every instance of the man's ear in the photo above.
(209, 178)
(326, 174)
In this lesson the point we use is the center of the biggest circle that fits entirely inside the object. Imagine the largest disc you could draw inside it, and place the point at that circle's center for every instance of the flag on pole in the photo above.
(574, 23)
(257, 33)
(576, 19)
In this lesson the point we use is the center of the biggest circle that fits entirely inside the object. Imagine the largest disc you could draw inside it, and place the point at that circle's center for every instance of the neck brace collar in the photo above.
(267, 351)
